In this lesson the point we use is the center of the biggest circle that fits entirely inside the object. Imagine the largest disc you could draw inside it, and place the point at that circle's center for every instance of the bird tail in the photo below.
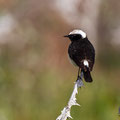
(87, 75)
(86, 71)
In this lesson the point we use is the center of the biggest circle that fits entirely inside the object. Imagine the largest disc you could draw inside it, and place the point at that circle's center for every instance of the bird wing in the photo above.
(82, 51)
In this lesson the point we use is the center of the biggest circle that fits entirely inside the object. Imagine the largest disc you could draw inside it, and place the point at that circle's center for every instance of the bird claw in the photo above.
(79, 81)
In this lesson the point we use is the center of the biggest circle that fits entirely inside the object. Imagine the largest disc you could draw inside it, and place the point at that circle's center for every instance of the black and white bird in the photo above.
(81, 53)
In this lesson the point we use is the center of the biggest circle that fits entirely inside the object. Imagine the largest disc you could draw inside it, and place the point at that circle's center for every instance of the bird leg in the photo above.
(78, 73)
(79, 80)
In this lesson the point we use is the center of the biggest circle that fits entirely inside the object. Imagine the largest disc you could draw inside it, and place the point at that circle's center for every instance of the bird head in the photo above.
(76, 35)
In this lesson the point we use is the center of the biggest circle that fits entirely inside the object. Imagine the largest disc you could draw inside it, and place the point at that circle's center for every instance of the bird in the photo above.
(81, 53)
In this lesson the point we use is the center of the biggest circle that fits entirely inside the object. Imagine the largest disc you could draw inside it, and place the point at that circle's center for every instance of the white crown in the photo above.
(83, 34)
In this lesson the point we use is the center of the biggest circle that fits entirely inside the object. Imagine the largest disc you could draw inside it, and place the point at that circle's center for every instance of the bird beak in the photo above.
(66, 36)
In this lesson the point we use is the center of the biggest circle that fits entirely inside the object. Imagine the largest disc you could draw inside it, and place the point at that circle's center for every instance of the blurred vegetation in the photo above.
(108, 25)
(36, 78)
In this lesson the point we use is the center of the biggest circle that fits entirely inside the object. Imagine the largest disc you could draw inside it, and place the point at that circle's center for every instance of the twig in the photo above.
(65, 113)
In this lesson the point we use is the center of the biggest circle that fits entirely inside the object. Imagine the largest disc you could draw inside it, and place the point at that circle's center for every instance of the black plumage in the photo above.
(82, 53)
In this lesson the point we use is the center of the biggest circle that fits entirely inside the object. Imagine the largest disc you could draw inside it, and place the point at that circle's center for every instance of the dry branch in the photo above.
(65, 113)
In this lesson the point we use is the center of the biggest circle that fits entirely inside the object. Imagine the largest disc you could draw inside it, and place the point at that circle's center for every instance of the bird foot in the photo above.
(79, 81)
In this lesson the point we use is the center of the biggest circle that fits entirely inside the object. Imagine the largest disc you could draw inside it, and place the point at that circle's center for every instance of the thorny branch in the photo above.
(65, 113)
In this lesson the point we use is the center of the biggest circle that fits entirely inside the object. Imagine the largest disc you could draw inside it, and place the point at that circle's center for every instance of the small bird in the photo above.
(81, 53)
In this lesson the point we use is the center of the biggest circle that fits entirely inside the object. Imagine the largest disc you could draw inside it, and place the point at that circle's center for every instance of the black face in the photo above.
(74, 37)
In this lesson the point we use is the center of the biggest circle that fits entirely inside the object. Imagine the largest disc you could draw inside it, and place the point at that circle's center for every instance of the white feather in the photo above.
(86, 63)
(83, 34)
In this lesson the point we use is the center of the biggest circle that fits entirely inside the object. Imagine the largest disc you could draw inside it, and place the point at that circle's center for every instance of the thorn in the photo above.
(70, 117)
(77, 104)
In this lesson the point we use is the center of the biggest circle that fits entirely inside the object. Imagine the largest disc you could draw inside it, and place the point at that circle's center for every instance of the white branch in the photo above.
(65, 113)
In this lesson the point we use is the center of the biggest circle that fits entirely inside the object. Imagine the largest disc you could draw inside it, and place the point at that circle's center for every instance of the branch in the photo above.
(65, 113)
